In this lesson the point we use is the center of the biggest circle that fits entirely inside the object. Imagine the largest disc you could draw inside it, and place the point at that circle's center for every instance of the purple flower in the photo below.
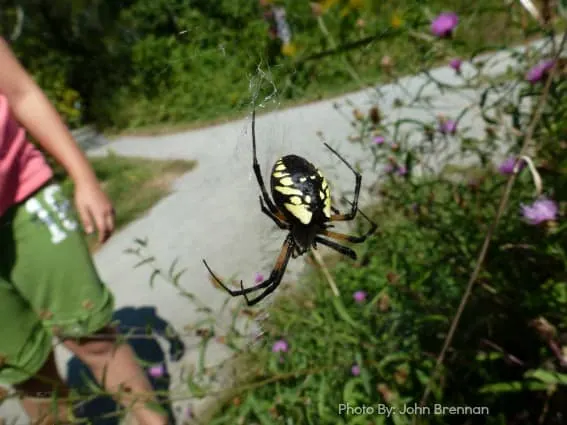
(157, 371)
(539, 71)
(259, 278)
(189, 413)
(540, 211)
(448, 127)
(280, 346)
(359, 296)
(456, 64)
(507, 166)
(444, 24)
(402, 171)
(355, 370)
(379, 140)
(389, 168)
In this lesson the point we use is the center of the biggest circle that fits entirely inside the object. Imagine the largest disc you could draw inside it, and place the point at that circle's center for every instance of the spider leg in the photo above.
(348, 216)
(234, 293)
(337, 247)
(276, 275)
(273, 280)
(351, 238)
(277, 218)
(256, 167)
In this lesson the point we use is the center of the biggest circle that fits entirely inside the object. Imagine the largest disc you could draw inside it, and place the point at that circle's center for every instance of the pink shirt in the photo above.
(23, 168)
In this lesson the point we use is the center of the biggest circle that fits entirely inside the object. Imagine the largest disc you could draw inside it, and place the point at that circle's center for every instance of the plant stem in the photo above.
(325, 270)
(503, 202)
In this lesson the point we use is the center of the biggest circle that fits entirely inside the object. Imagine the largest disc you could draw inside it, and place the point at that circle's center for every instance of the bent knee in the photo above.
(100, 344)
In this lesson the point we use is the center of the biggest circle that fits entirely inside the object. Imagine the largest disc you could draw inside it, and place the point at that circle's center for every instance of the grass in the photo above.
(134, 185)
(402, 46)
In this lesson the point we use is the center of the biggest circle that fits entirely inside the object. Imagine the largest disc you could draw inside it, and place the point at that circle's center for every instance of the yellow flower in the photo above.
(289, 49)
(347, 6)
(327, 4)
(233, 98)
(356, 4)
(396, 21)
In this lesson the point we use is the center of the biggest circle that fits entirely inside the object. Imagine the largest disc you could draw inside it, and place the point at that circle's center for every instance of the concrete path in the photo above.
(213, 212)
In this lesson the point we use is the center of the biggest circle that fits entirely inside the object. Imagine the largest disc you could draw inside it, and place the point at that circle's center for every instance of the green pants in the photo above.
(49, 286)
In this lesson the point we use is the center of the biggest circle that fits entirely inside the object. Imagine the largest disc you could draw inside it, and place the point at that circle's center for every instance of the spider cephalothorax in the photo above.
(302, 205)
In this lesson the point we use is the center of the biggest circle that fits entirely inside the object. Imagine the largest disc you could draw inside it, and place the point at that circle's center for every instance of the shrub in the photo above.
(142, 63)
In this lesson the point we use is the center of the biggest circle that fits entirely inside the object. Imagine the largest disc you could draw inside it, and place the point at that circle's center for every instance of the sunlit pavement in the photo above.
(214, 212)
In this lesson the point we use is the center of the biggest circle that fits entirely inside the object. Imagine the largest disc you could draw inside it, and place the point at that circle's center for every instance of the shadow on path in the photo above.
(142, 326)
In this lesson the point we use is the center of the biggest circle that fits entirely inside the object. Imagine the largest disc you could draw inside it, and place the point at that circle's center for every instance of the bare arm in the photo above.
(34, 111)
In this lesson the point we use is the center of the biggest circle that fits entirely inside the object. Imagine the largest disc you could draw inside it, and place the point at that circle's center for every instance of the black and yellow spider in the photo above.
(302, 205)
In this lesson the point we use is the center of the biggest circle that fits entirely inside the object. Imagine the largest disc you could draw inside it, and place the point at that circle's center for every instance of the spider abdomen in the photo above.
(300, 191)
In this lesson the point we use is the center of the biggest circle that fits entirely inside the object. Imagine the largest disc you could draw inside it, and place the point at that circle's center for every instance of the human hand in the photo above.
(95, 209)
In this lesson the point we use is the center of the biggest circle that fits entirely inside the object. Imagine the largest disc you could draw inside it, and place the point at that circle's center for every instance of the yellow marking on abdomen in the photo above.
(301, 212)
(295, 200)
(327, 208)
(302, 179)
(288, 190)
(286, 181)
(307, 199)
(280, 166)
(279, 174)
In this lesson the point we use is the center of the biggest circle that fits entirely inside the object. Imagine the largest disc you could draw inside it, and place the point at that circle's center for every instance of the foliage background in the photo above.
(142, 63)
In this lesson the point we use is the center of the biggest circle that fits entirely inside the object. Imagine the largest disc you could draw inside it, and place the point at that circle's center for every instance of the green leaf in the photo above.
(494, 355)
(92, 386)
(141, 242)
(364, 374)
(547, 376)
(156, 407)
(341, 310)
(178, 275)
(153, 277)
(512, 387)
(196, 389)
(433, 318)
(172, 267)
(203, 351)
(350, 393)
(144, 261)
(260, 409)
(188, 295)
(321, 397)
(400, 420)
(483, 97)
(393, 358)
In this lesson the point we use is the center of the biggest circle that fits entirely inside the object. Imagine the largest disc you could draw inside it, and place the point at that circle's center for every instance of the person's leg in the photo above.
(45, 396)
(115, 364)
(26, 358)
(54, 272)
